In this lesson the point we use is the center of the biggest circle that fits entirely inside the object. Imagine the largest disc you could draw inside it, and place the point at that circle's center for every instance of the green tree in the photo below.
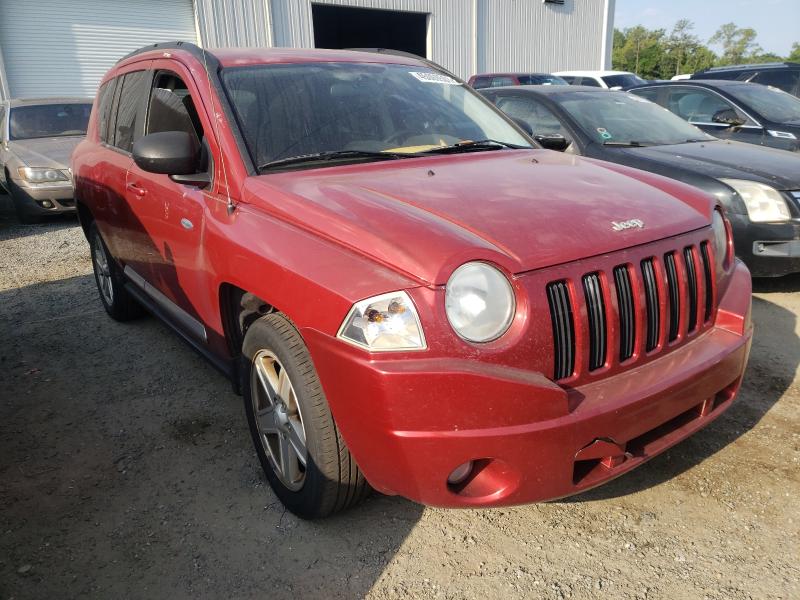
(738, 45)
(640, 50)
(681, 44)
(795, 55)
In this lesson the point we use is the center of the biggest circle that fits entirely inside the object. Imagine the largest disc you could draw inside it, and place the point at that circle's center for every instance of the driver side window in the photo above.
(171, 107)
(697, 105)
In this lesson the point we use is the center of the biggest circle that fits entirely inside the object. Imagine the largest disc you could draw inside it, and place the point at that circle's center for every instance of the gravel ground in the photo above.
(126, 472)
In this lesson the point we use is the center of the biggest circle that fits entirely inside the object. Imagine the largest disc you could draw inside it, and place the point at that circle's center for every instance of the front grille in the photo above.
(691, 279)
(563, 328)
(596, 311)
(707, 280)
(676, 294)
(652, 307)
(627, 317)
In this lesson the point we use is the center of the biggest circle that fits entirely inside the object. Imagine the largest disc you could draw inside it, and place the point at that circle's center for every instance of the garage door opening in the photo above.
(346, 27)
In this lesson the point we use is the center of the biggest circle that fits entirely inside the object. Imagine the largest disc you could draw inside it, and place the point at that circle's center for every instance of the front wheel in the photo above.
(299, 446)
(117, 301)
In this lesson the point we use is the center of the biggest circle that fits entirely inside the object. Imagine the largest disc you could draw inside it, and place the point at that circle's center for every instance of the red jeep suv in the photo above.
(409, 293)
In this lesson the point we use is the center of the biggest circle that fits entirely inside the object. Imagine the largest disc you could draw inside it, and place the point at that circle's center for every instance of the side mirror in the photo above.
(174, 153)
(553, 141)
(728, 116)
(524, 125)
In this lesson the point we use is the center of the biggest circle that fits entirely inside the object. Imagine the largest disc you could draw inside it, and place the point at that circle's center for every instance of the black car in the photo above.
(735, 110)
(760, 187)
(782, 75)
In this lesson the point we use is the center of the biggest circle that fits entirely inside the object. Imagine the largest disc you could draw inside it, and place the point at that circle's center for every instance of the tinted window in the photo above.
(126, 130)
(649, 93)
(481, 82)
(104, 99)
(590, 81)
(502, 81)
(290, 110)
(48, 120)
(622, 118)
(696, 105)
(623, 81)
(171, 107)
(541, 80)
(570, 79)
(783, 80)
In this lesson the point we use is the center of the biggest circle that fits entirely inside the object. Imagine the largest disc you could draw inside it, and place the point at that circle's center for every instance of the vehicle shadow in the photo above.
(787, 283)
(11, 228)
(130, 455)
(774, 358)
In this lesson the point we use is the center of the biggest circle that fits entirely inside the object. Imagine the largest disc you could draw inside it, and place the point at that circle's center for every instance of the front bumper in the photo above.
(768, 249)
(45, 199)
(410, 422)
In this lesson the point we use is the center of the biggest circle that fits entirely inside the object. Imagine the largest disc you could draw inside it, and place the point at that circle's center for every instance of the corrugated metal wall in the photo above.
(467, 36)
(234, 23)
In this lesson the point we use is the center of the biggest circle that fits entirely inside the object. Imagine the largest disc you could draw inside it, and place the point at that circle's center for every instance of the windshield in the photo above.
(622, 118)
(289, 110)
(772, 103)
(541, 80)
(623, 81)
(48, 120)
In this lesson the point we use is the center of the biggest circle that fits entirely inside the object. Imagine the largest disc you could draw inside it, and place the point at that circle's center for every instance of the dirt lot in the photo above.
(126, 472)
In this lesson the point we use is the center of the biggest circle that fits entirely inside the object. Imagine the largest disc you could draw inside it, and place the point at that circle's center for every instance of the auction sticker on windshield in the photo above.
(434, 78)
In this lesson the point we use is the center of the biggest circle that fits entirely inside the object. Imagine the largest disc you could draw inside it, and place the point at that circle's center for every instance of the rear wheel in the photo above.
(117, 301)
(299, 446)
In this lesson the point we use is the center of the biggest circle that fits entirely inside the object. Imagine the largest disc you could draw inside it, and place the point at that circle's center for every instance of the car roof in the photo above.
(513, 74)
(710, 83)
(54, 100)
(550, 90)
(753, 67)
(592, 73)
(238, 57)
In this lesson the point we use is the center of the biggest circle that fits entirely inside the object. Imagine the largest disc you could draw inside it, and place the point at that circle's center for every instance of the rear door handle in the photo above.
(136, 190)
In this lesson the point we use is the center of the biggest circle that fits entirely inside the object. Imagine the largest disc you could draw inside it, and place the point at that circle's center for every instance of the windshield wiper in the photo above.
(472, 145)
(630, 144)
(333, 155)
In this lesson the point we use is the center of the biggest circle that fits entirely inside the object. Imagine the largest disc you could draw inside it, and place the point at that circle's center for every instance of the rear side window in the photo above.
(590, 81)
(649, 93)
(481, 82)
(104, 99)
(126, 130)
(502, 81)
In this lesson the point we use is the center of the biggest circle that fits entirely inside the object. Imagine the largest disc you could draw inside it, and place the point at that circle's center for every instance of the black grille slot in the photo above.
(596, 310)
(651, 303)
(691, 275)
(627, 318)
(707, 274)
(674, 295)
(563, 329)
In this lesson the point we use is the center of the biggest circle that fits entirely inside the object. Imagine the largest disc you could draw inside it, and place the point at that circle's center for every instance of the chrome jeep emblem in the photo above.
(623, 225)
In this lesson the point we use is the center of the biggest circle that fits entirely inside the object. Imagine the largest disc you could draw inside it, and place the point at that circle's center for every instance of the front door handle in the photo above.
(136, 190)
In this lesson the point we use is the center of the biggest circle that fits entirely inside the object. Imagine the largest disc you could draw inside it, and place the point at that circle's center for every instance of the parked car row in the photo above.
(410, 293)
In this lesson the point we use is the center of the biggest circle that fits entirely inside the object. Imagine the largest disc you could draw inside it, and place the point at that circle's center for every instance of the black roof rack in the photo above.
(770, 65)
(189, 47)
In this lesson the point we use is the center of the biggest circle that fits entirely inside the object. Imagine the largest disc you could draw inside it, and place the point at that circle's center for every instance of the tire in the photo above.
(297, 413)
(117, 301)
(22, 204)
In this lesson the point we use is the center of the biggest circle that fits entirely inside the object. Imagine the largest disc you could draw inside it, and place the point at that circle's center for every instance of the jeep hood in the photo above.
(523, 209)
(52, 152)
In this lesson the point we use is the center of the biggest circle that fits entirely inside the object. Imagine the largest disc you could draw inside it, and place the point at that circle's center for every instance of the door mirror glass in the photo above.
(728, 116)
(552, 141)
(168, 153)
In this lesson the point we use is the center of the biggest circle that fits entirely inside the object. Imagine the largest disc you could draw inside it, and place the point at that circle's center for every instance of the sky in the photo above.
(776, 21)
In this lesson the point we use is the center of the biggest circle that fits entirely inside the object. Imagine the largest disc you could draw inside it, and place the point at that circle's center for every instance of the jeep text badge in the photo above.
(623, 225)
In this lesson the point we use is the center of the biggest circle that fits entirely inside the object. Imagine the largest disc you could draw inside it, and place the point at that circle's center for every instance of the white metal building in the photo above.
(63, 47)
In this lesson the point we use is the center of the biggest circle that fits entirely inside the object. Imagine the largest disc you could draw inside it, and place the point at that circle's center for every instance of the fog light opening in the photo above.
(47, 204)
(460, 473)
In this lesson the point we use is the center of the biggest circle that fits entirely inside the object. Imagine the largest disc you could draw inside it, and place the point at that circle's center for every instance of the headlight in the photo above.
(764, 204)
(479, 302)
(384, 323)
(721, 243)
(40, 175)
